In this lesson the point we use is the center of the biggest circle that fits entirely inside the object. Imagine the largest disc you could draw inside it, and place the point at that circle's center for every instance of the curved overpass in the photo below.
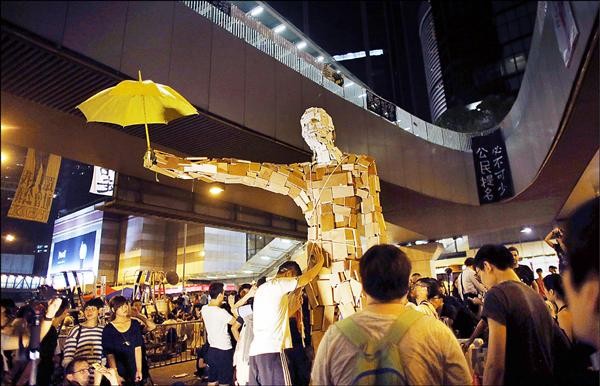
(252, 103)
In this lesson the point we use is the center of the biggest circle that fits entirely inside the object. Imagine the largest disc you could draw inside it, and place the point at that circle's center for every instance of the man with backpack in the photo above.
(388, 343)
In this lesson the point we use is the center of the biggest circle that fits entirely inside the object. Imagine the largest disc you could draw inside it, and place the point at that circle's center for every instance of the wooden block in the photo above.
(265, 173)
(327, 247)
(348, 167)
(317, 316)
(338, 266)
(352, 221)
(254, 166)
(277, 179)
(238, 169)
(294, 192)
(367, 205)
(362, 193)
(338, 179)
(312, 233)
(311, 294)
(339, 252)
(295, 181)
(342, 293)
(341, 210)
(202, 168)
(317, 337)
(356, 288)
(342, 191)
(328, 317)
(320, 173)
(351, 202)
(222, 167)
(327, 222)
(325, 293)
(326, 196)
(346, 310)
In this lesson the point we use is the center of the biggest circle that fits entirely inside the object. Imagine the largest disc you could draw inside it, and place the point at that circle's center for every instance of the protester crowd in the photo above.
(538, 329)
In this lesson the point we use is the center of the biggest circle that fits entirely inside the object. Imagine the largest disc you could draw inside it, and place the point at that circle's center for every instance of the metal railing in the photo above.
(173, 343)
(167, 344)
(263, 38)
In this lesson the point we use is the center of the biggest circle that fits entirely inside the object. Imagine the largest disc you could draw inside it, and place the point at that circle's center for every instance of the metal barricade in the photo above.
(173, 342)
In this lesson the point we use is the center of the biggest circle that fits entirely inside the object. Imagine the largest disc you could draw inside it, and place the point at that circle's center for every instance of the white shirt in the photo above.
(271, 323)
(467, 283)
(216, 320)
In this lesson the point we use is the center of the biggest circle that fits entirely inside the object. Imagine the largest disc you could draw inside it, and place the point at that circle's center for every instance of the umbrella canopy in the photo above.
(136, 102)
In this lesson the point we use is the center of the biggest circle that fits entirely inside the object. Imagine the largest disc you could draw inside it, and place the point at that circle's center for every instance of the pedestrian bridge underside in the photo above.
(57, 54)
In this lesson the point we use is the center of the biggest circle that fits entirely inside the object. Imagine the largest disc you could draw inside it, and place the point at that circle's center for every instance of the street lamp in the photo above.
(216, 189)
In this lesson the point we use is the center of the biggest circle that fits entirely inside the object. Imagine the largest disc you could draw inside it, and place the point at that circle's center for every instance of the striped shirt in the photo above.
(85, 342)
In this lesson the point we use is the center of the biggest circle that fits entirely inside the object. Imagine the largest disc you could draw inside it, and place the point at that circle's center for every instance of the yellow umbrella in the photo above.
(135, 102)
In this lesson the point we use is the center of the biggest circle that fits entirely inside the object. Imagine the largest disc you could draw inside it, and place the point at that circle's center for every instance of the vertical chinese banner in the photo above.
(492, 171)
(33, 199)
(103, 182)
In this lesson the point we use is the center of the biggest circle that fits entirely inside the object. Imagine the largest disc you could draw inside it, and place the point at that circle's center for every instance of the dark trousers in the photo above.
(299, 366)
(269, 369)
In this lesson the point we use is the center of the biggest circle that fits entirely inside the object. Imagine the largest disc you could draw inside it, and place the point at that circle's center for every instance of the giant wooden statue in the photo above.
(337, 192)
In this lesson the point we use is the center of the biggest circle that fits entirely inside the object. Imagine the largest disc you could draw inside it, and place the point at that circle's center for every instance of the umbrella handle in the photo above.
(146, 127)
(144, 105)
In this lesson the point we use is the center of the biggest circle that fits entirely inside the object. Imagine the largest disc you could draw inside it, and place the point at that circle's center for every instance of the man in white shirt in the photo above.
(268, 364)
(427, 351)
(468, 285)
(220, 354)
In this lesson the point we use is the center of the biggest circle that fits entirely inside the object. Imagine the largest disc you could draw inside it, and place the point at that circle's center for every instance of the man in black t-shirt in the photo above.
(521, 331)
(524, 273)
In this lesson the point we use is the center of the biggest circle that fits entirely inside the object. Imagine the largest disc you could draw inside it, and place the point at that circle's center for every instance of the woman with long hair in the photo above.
(122, 342)
(555, 292)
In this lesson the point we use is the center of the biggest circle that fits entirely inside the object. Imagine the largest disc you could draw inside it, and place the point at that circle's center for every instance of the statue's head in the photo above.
(318, 130)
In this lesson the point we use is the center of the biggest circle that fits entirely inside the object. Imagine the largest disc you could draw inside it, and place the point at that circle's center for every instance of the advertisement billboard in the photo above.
(74, 253)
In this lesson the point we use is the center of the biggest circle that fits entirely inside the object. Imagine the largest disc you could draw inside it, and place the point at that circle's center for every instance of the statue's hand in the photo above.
(149, 159)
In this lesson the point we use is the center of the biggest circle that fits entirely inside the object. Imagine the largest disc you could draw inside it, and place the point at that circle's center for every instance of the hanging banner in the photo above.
(565, 28)
(103, 182)
(33, 199)
(492, 171)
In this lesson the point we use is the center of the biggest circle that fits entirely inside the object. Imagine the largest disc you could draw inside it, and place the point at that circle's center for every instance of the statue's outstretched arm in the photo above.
(282, 179)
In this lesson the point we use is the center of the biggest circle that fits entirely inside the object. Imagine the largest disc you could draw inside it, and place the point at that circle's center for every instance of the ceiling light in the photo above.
(250, 272)
(231, 275)
(256, 11)
(279, 28)
(349, 84)
(526, 230)
(5, 157)
(265, 257)
(420, 242)
(375, 52)
(320, 58)
(10, 237)
(286, 241)
(301, 45)
(216, 189)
